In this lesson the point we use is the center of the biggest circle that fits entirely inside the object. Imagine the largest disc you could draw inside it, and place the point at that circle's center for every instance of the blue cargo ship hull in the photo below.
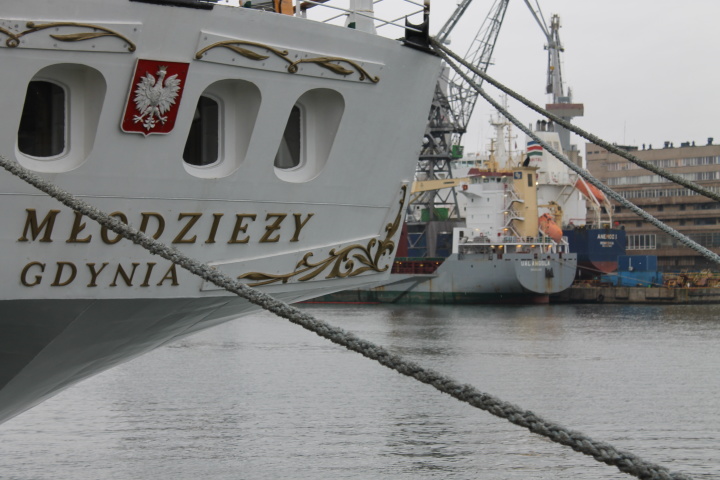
(597, 249)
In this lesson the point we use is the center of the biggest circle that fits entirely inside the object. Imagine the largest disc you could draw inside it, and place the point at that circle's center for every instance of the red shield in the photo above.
(154, 97)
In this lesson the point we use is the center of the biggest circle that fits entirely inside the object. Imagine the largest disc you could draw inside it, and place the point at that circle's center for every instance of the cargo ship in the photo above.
(494, 251)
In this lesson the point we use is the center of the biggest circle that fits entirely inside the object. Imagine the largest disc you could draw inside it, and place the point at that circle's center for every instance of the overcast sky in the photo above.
(647, 71)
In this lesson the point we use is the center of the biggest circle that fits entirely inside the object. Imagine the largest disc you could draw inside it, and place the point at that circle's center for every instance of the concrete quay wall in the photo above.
(649, 295)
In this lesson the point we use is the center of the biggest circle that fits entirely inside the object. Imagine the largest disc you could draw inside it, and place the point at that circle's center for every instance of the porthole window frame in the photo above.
(322, 111)
(85, 89)
(239, 106)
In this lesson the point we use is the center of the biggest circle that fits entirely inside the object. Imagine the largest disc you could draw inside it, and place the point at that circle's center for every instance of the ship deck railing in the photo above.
(513, 244)
(387, 16)
(511, 240)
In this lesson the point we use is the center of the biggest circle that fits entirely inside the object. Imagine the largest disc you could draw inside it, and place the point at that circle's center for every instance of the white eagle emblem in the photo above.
(153, 99)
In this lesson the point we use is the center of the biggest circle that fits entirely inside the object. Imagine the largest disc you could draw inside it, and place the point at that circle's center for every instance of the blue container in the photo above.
(444, 245)
(416, 239)
(637, 263)
(634, 279)
(417, 252)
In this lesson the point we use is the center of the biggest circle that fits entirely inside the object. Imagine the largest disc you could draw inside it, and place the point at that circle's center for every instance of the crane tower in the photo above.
(561, 103)
(452, 107)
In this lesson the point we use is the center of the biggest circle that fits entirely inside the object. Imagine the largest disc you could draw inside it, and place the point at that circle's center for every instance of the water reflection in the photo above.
(260, 398)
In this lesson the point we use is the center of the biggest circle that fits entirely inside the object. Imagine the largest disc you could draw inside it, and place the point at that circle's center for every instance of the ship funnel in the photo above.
(525, 185)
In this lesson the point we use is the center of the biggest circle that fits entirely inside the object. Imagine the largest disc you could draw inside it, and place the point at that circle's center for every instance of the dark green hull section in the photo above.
(431, 298)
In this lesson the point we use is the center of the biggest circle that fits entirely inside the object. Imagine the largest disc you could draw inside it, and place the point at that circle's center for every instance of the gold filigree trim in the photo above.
(349, 261)
(329, 63)
(326, 62)
(14, 38)
(234, 46)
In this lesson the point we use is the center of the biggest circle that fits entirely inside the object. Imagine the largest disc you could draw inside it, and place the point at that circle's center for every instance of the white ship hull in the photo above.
(75, 298)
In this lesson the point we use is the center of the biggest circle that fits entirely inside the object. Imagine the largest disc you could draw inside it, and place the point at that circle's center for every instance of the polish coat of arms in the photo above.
(154, 98)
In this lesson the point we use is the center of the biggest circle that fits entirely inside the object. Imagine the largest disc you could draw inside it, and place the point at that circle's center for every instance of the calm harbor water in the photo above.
(259, 398)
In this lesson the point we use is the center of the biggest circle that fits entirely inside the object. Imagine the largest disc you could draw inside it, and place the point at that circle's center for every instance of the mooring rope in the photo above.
(441, 50)
(700, 190)
(602, 452)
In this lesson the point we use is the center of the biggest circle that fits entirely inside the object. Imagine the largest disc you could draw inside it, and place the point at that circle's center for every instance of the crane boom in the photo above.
(461, 96)
(432, 185)
(554, 47)
(444, 32)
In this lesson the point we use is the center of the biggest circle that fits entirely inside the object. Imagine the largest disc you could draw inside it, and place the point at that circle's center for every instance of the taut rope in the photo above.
(600, 451)
(446, 54)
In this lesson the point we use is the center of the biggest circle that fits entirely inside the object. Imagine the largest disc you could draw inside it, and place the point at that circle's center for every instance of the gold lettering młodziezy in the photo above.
(187, 229)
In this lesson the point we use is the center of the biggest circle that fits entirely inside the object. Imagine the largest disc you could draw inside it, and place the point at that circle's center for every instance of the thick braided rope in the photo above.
(569, 126)
(602, 452)
(713, 257)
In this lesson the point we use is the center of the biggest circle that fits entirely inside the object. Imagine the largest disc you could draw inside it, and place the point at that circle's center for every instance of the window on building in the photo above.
(645, 241)
(42, 125)
(201, 147)
(707, 206)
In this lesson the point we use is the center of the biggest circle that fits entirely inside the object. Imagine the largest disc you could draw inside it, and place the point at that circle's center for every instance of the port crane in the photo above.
(561, 104)
(453, 104)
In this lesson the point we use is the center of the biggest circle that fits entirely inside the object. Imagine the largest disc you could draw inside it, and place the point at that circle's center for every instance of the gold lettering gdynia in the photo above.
(131, 274)
(187, 228)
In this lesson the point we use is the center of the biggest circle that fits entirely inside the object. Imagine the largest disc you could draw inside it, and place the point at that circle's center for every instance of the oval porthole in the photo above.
(60, 118)
(221, 128)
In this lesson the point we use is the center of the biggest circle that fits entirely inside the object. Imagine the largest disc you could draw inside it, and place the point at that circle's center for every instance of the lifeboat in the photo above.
(549, 227)
(589, 191)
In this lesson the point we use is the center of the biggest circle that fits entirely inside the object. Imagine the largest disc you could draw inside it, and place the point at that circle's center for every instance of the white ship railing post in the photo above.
(361, 16)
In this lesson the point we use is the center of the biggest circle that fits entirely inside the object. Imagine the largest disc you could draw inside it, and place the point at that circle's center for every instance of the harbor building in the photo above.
(696, 216)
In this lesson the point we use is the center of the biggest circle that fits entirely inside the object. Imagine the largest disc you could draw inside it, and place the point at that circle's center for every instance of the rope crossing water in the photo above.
(445, 54)
(602, 452)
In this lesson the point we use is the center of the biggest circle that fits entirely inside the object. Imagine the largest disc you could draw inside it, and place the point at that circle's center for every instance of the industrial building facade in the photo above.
(680, 208)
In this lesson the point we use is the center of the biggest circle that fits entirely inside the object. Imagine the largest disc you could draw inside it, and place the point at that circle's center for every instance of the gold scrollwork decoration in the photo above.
(343, 261)
(330, 63)
(14, 38)
(326, 62)
(234, 46)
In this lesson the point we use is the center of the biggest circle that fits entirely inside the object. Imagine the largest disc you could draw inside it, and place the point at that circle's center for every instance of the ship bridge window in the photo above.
(309, 135)
(42, 125)
(220, 129)
(60, 118)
